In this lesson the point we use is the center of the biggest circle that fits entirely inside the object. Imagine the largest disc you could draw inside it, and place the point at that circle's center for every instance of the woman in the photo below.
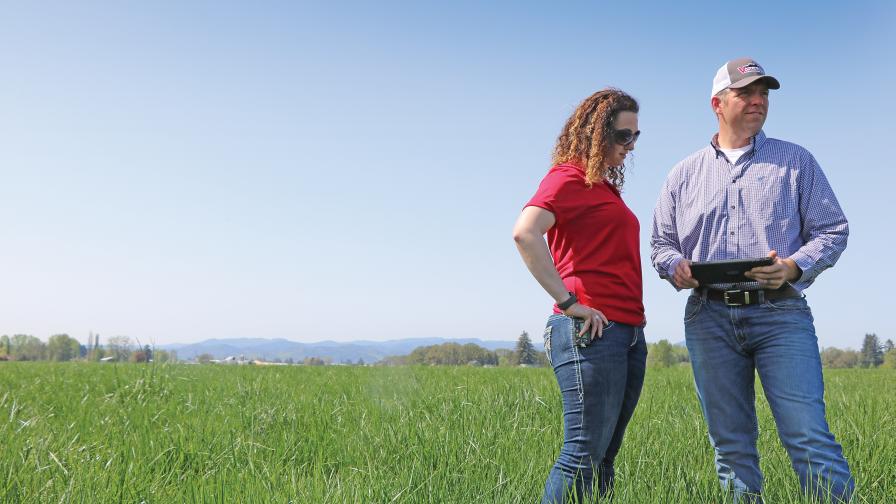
(591, 266)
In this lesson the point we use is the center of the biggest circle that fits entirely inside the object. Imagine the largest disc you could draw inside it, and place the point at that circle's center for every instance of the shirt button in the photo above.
(732, 233)
(733, 181)
(732, 207)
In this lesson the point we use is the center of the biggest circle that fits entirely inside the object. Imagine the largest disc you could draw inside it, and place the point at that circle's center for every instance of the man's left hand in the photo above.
(774, 276)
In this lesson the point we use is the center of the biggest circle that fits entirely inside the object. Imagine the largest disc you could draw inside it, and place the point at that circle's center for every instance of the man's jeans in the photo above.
(777, 339)
(600, 384)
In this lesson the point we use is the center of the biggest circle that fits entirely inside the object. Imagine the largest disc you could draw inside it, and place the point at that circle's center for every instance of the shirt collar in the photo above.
(757, 141)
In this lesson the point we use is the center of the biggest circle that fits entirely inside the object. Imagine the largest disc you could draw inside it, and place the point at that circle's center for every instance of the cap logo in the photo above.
(750, 68)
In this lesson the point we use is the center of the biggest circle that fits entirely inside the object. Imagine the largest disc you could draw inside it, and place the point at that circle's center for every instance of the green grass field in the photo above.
(81, 432)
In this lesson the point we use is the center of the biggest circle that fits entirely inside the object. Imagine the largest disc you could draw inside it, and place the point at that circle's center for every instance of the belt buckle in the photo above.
(728, 302)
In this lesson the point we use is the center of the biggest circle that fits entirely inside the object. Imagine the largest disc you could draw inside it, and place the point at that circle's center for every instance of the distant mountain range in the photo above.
(270, 349)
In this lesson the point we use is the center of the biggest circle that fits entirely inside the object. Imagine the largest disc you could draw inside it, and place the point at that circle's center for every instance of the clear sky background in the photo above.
(177, 171)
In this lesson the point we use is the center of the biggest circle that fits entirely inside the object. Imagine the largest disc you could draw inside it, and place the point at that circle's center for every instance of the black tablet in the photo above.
(728, 271)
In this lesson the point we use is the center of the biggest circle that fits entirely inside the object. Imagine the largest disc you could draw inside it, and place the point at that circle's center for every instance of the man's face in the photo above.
(743, 110)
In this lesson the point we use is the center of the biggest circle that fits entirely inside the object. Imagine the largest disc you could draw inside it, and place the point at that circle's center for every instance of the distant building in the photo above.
(258, 362)
(235, 360)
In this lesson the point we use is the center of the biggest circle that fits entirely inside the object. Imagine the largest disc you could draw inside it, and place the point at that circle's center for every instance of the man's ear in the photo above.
(715, 102)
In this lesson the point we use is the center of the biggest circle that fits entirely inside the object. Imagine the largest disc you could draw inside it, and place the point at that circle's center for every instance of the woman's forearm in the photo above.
(537, 256)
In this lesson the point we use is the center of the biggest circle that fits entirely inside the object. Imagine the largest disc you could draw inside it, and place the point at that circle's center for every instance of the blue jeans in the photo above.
(600, 384)
(728, 345)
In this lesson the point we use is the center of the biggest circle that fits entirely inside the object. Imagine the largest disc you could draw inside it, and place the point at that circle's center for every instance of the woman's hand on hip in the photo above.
(594, 319)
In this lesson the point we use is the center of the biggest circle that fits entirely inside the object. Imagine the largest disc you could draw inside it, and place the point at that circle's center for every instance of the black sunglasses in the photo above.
(625, 136)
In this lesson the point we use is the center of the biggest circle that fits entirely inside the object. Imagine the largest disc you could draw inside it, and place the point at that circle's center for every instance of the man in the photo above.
(744, 196)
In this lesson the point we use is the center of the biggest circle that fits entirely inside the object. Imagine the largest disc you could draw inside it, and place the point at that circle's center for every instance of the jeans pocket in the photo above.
(693, 307)
(787, 304)
(637, 332)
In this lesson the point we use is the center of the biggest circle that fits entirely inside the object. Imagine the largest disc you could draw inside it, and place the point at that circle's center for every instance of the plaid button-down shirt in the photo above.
(775, 197)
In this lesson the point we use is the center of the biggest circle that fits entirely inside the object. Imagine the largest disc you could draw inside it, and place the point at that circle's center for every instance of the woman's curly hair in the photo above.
(588, 135)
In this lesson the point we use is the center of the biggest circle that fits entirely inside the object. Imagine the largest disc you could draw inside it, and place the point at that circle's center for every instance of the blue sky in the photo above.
(347, 171)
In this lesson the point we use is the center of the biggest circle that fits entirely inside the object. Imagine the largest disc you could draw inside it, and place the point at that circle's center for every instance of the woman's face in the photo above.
(625, 128)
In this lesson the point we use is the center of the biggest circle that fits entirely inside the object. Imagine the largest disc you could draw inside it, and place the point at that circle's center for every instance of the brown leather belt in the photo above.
(738, 297)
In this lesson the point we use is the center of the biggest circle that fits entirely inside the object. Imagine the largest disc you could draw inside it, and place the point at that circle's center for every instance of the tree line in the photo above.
(471, 354)
(873, 354)
(659, 354)
(62, 347)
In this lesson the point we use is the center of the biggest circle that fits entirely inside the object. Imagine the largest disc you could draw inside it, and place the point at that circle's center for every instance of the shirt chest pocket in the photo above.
(771, 202)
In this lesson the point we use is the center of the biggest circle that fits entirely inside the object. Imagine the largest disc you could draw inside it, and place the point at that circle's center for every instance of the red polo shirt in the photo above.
(594, 243)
